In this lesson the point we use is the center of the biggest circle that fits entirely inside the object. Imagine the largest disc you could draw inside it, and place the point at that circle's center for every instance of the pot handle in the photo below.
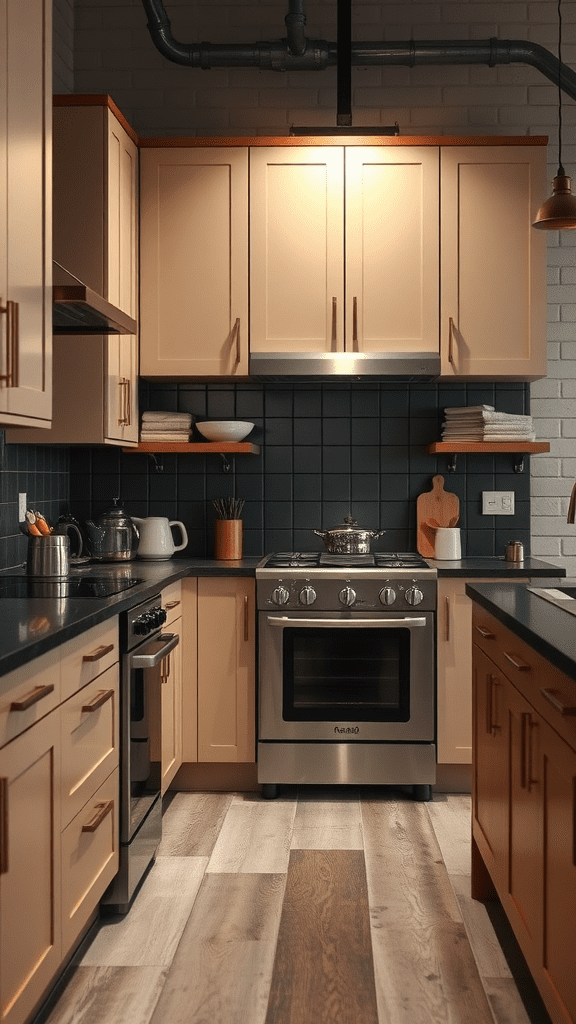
(377, 533)
(321, 533)
(182, 528)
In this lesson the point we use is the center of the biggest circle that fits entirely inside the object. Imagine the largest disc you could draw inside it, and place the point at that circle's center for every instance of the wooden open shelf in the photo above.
(480, 447)
(197, 447)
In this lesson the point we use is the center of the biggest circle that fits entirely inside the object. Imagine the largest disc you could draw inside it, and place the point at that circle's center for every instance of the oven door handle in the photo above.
(284, 620)
(143, 660)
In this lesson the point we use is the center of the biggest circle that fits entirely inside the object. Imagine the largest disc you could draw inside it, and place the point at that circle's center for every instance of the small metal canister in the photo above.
(514, 551)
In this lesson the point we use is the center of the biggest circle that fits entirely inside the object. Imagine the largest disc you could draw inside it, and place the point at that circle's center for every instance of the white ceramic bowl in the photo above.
(225, 430)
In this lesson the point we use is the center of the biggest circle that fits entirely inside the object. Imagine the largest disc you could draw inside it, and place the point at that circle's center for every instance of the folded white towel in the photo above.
(156, 435)
(464, 410)
(159, 416)
(152, 425)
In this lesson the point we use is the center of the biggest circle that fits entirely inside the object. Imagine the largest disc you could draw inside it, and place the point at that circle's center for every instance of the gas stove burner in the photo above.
(347, 561)
(292, 559)
(326, 559)
(404, 560)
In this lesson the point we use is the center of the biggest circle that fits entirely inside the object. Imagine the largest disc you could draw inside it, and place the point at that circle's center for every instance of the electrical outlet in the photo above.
(22, 507)
(497, 503)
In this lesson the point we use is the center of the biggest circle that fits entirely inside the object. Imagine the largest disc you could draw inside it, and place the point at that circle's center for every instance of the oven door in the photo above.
(325, 677)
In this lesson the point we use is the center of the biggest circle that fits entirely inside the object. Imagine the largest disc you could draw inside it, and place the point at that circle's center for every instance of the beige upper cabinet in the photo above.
(194, 261)
(344, 249)
(25, 212)
(493, 320)
(96, 199)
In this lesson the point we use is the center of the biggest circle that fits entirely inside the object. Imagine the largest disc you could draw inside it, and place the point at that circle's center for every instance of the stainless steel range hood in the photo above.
(77, 309)
(327, 367)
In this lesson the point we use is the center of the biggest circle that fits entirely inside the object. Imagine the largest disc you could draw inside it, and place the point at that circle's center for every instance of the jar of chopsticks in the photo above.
(228, 532)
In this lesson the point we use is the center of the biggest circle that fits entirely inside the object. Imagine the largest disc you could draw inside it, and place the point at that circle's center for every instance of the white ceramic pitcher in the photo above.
(156, 541)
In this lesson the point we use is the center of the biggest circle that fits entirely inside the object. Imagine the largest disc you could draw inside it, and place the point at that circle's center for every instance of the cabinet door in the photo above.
(171, 677)
(392, 249)
(194, 262)
(190, 670)
(122, 218)
(525, 885)
(296, 249)
(490, 770)
(493, 263)
(122, 388)
(30, 941)
(226, 669)
(559, 783)
(25, 213)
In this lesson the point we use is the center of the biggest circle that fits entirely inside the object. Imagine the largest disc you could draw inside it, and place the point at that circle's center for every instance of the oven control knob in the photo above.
(387, 595)
(347, 596)
(307, 595)
(414, 596)
(280, 595)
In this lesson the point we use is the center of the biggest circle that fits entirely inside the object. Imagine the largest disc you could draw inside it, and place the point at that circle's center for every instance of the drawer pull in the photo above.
(517, 662)
(485, 633)
(101, 697)
(447, 633)
(100, 812)
(557, 704)
(171, 604)
(98, 653)
(246, 620)
(3, 826)
(38, 693)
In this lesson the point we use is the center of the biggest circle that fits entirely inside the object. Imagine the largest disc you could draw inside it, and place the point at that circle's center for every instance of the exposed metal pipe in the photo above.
(301, 54)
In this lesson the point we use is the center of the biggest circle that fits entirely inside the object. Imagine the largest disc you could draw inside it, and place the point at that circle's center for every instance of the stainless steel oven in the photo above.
(347, 676)
(144, 648)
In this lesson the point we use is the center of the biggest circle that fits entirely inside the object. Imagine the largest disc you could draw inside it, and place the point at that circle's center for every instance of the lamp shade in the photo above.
(558, 212)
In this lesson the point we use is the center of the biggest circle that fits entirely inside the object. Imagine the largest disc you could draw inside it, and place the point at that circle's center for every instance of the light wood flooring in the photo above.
(326, 906)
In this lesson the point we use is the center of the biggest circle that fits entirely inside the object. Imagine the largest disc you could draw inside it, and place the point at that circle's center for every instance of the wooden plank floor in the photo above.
(327, 906)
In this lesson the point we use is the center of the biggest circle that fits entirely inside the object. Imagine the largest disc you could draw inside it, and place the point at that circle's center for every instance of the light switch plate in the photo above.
(22, 507)
(497, 503)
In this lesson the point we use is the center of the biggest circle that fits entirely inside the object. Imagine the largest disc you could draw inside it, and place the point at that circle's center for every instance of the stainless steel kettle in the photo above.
(114, 537)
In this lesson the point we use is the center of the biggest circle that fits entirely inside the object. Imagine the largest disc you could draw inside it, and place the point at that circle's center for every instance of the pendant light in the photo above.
(558, 212)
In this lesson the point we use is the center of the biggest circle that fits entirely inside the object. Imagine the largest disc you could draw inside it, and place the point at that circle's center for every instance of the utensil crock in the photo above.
(49, 556)
(447, 544)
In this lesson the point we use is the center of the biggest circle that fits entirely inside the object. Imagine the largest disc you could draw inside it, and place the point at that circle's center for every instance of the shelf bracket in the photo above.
(519, 463)
(225, 463)
(158, 462)
(452, 462)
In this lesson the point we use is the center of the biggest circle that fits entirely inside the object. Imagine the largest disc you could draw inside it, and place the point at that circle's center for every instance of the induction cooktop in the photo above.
(33, 586)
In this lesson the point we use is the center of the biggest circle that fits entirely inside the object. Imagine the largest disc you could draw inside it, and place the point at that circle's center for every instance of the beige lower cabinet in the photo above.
(219, 721)
(454, 661)
(58, 809)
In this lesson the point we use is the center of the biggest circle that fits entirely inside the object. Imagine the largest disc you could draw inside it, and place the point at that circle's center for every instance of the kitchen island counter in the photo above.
(551, 631)
(496, 567)
(33, 625)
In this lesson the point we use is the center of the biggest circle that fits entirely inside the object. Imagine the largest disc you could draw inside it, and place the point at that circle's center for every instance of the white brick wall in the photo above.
(113, 53)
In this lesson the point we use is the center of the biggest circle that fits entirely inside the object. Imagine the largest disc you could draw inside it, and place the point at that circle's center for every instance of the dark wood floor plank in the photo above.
(323, 972)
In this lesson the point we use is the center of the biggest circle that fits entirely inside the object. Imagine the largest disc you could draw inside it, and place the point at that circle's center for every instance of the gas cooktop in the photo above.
(318, 559)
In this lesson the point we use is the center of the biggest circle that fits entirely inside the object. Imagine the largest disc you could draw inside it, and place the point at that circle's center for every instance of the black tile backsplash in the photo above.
(326, 450)
(43, 474)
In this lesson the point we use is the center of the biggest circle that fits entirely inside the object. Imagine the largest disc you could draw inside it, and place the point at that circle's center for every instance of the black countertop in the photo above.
(32, 626)
(551, 631)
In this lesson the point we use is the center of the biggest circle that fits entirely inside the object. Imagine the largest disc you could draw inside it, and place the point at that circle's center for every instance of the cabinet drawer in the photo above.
(172, 602)
(88, 655)
(549, 691)
(89, 722)
(28, 693)
(89, 858)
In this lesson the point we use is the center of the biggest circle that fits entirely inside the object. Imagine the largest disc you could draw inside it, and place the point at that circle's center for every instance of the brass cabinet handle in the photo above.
(3, 826)
(165, 668)
(101, 697)
(492, 725)
(485, 633)
(355, 324)
(517, 662)
(528, 725)
(124, 418)
(38, 693)
(447, 634)
(246, 620)
(171, 604)
(235, 334)
(558, 705)
(450, 342)
(100, 812)
(11, 376)
(98, 653)
(334, 322)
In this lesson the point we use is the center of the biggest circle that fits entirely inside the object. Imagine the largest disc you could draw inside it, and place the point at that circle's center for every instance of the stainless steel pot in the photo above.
(348, 539)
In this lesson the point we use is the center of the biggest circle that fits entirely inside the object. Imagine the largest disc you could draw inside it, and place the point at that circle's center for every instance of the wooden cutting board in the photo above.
(438, 505)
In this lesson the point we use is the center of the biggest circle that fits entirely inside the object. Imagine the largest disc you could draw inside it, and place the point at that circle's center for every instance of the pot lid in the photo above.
(114, 516)
(348, 526)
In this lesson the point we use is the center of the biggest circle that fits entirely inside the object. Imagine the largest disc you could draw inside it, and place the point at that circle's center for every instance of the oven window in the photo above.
(336, 675)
